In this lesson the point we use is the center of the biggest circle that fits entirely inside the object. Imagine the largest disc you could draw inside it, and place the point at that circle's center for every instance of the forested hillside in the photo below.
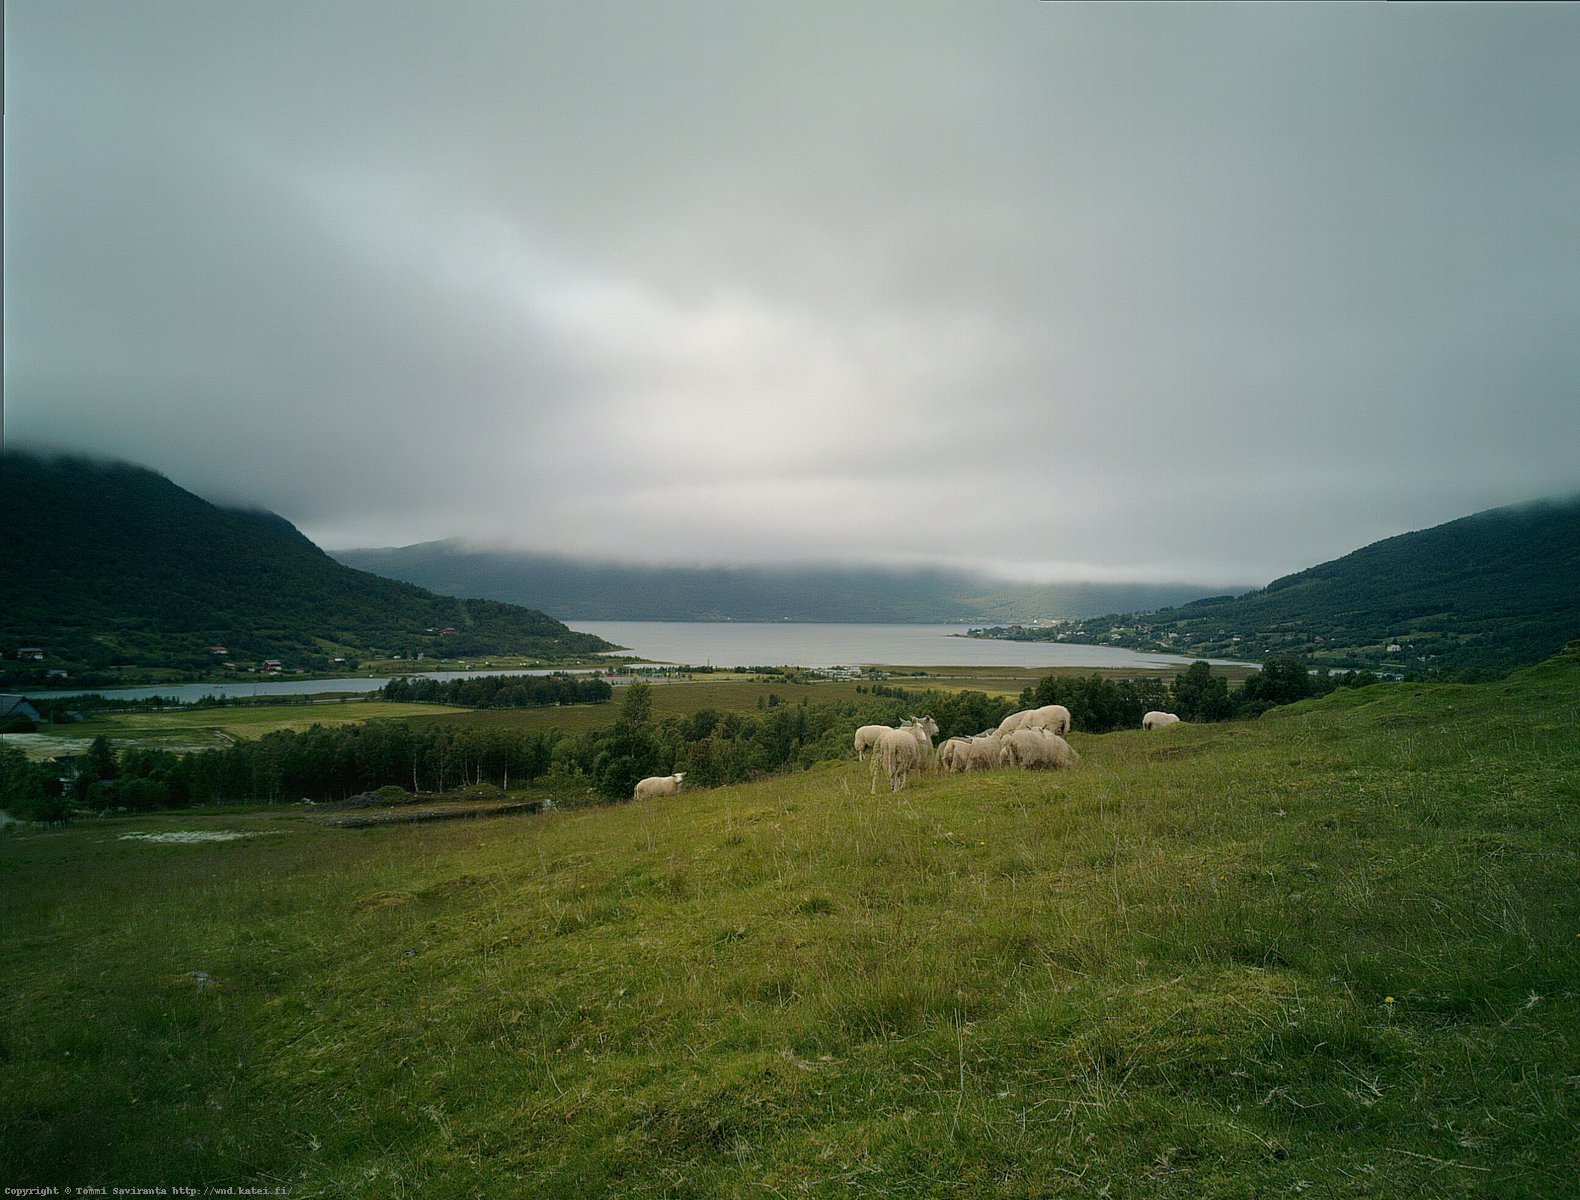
(108, 565)
(1485, 592)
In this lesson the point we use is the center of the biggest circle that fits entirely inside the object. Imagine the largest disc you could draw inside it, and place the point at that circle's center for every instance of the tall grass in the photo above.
(1333, 952)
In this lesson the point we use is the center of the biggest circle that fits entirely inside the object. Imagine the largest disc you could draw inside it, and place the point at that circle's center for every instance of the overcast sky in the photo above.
(1206, 293)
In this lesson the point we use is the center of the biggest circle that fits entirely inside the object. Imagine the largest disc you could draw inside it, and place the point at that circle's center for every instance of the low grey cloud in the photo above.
(1194, 292)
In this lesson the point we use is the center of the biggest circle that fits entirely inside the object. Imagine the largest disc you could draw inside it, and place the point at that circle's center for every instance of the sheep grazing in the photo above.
(1034, 749)
(658, 785)
(982, 751)
(1055, 718)
(899, 754)
(866, 738)
(952, 755)
(1159, 720)
(1013, 722)
(903, 750)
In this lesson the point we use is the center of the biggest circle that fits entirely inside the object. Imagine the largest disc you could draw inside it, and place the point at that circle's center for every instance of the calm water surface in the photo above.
(738, 644)
(283, 687)
(749, 644)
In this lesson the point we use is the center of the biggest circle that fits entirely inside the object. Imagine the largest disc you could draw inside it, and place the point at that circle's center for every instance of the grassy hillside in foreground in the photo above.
(1333, 952)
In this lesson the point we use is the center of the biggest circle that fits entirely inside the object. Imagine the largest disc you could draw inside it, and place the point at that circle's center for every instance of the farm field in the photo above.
(188, 729)
(193, 729)
(1334, 952)
(670, 698)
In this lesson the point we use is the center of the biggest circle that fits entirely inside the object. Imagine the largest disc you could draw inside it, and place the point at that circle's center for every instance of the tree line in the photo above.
(1101, 705)
(331, 764)
(501, 691)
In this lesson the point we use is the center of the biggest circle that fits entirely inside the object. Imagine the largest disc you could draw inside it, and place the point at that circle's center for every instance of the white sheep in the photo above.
(1055, 718)
(903, 750)
(952, 755)
(1013, 722)
(1033, 749)
(924, 730)
(1159, 720)
(899, 754)
(866, 738)
(867, 735)
(982, 753)
(658, 785)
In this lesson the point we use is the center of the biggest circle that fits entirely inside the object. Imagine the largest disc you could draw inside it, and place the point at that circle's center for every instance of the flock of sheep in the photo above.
(1030, 739)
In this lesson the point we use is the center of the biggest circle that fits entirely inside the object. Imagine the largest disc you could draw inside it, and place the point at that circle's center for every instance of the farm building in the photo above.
(16, 707)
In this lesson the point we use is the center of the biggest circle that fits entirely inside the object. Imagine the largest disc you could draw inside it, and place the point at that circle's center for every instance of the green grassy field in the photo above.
(730, 693)
(669, 699)
(188, 729)
(1333, 952)
(204, 728)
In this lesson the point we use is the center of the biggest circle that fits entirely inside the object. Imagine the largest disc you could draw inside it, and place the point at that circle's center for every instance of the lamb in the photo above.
(658, 785)
(903, 750)
(1032, 749)
(1159, 720)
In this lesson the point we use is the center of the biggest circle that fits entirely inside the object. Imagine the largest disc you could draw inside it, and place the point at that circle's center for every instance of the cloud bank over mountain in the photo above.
(1058, 292)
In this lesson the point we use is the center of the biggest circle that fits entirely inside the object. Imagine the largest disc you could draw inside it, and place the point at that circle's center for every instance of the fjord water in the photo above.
(733, 644)
(786, 643)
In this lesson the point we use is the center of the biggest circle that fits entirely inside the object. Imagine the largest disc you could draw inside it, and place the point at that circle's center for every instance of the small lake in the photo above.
(736, 644)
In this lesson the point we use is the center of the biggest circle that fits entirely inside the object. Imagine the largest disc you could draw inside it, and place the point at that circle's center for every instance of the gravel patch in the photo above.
(187, 836)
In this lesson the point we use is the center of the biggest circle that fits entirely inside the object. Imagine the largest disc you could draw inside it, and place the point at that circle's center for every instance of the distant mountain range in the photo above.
(575, 589)
(110, 567)
(1488, 591)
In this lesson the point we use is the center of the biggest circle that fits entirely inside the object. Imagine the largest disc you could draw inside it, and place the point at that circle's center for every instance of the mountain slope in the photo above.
(1488, 591)
(613, 592)
(110, 565)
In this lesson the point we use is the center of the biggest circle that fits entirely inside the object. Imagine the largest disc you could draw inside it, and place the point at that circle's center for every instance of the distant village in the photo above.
(1391, 659)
